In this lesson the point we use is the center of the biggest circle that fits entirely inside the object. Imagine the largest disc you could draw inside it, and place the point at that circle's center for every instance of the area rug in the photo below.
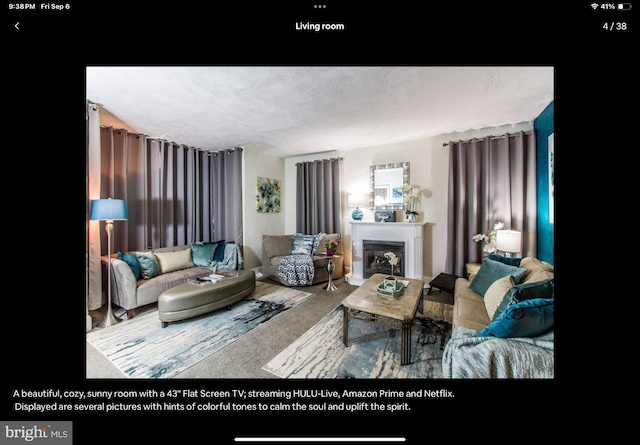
(141, 348)
(320, 353)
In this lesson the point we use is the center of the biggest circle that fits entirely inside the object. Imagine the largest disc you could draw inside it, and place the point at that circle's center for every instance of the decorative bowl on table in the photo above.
(388, 291)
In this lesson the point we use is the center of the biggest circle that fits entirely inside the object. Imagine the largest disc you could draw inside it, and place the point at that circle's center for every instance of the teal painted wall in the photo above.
(543, 125)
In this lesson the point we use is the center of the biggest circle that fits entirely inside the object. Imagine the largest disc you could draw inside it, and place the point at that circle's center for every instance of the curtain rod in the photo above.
(319, 160)
(528, 133)
(160, 138)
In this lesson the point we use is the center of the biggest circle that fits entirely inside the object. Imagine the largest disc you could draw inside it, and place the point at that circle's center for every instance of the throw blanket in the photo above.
(232, 259)
(297, 269)
(468, 356)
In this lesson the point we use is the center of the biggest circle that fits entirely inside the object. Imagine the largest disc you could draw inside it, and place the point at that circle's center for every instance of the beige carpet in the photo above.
(245, 357)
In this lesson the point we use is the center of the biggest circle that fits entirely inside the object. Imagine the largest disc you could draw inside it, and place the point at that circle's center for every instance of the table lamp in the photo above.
(508, 241)
(108, 210)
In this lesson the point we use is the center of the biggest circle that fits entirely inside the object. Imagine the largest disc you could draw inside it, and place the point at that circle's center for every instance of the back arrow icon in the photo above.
(16, 25)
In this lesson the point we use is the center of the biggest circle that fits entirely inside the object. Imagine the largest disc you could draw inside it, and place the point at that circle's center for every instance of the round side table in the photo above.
(330, 268)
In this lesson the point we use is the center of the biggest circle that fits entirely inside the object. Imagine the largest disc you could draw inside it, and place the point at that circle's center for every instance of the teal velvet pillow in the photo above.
(529, 318)
(202, 253)
(491, 271)
(504, 259)
(302, 245)
(149, 266)
(219, 253)
(133, 263)
(526, 291)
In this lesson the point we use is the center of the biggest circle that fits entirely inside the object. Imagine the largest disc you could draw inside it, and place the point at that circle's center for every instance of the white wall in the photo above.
(428, 168)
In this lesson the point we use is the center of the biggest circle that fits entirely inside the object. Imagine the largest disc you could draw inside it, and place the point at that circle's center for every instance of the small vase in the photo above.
(330, 252)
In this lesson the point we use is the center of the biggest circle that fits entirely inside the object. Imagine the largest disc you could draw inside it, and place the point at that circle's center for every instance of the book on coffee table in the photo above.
(217, 276)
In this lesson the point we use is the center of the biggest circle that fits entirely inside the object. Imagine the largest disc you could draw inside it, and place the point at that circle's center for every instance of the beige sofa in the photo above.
(277, 247)
(468, 356)
(130, 293)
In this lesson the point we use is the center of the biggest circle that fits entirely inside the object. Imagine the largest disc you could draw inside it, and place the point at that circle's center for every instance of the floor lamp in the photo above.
(108, 210)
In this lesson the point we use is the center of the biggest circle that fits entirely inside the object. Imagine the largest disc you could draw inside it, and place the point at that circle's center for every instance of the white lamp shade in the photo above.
(508, 240)
(108, 209)
(357, 200)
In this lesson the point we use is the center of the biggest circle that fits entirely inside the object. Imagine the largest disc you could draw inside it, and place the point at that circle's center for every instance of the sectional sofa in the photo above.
(503, 321)
(134, 286)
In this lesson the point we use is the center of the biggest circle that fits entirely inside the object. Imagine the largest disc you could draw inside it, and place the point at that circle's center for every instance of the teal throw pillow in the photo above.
(526, 291)
(505, 259)
(491, 271)
(302, 245)
(202, 253)
(529, 318)
(133, 263)
(219, 253)
(149, 265)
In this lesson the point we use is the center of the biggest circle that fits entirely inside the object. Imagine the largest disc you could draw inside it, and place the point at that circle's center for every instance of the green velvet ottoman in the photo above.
(190, 300)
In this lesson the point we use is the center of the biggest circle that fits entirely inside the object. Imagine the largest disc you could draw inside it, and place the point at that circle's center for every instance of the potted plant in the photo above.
(331, 248)
(411, 194)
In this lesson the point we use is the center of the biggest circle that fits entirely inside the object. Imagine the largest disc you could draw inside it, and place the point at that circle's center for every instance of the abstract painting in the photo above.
(268, 195)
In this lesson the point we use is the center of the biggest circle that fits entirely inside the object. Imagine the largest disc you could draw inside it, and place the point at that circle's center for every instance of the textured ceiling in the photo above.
(289, 111)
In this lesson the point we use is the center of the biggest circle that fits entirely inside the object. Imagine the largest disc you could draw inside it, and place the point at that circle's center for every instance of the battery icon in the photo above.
(624, 6)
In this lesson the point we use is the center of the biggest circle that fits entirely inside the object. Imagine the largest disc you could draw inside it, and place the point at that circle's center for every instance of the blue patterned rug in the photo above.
(141, 348)
(320, 353)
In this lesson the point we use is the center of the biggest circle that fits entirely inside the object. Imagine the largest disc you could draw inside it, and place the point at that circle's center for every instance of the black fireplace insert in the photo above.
(376, 262)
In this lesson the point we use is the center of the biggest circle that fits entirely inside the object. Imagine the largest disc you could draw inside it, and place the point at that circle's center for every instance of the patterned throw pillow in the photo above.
(302, 245)
(316, 242)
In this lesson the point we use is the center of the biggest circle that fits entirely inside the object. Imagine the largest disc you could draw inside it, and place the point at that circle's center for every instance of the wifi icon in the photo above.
(594, 6)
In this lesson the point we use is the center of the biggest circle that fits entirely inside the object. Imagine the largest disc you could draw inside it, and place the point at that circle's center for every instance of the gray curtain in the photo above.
(491, 180)
(175, 194)
(318, 196)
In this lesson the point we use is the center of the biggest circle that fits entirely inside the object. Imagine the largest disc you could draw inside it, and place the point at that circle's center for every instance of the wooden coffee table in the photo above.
(397, 313)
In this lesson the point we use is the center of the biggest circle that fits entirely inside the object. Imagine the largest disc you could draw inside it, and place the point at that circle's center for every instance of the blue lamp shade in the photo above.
(108, 209)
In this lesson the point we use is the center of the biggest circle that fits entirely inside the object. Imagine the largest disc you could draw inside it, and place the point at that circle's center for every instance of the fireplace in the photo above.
(407, 234)
(374, 260)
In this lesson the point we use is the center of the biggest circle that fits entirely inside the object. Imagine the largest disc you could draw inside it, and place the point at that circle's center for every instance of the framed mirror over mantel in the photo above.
(386, 181)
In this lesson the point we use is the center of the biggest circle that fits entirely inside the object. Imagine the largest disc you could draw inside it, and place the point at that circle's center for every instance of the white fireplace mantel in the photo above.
(411, 233)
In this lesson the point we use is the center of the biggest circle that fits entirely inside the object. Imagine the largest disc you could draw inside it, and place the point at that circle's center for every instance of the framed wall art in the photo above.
(267, 195)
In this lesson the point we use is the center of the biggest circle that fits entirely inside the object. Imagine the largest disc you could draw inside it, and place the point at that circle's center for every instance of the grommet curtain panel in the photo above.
(318, 196)
(491, 180)
(175, 194)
